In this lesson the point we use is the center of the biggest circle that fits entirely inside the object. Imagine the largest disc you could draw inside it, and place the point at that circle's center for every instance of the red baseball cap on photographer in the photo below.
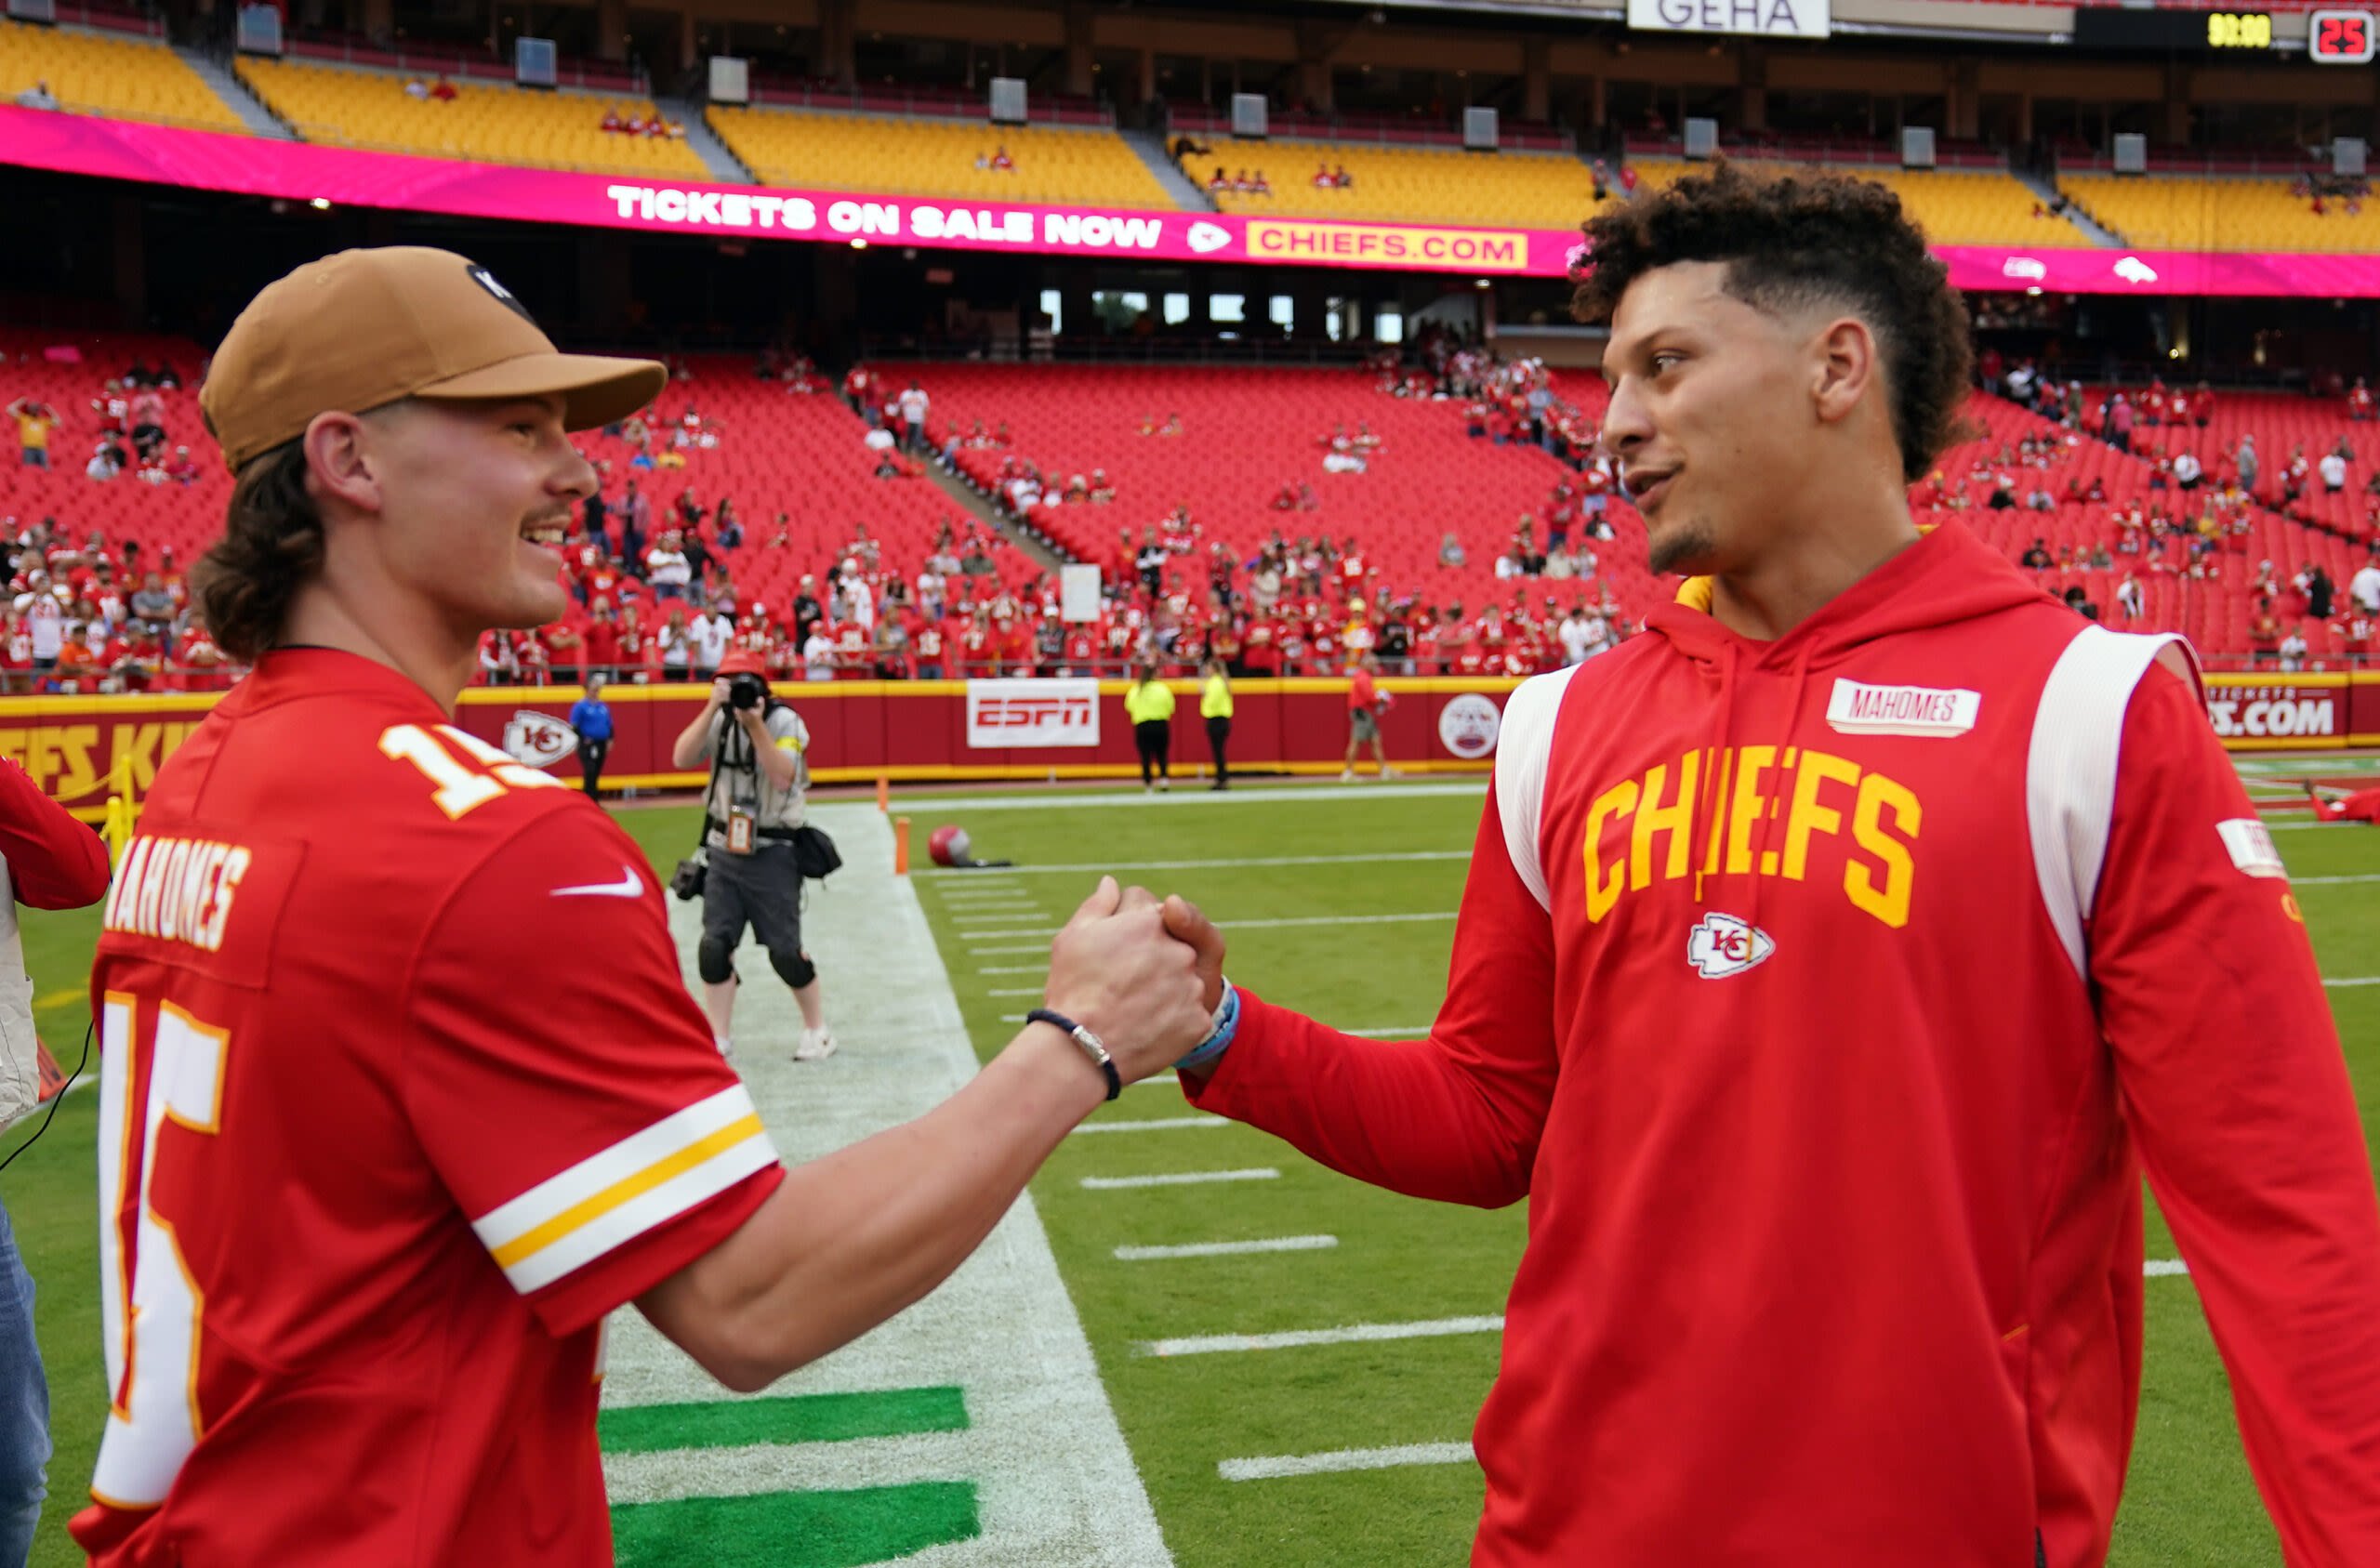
(745, 663)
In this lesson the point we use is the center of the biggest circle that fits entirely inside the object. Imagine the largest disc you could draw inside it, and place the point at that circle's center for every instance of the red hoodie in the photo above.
(1830, 1087)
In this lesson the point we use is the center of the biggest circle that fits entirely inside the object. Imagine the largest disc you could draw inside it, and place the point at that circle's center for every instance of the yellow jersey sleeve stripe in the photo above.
(644, 1179)
(650, 1209)
(619, 1193)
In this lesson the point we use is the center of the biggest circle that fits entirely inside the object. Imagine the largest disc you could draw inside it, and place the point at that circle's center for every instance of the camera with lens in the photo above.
(746, 690)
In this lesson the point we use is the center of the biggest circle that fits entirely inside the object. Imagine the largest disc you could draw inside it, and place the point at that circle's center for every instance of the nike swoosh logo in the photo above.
(629, 886)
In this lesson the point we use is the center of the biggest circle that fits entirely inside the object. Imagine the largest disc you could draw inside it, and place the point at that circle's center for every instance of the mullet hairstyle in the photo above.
(1796, 241)
(271, 546)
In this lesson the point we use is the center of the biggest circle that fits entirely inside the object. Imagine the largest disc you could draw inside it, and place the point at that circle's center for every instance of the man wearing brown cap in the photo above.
(402, 1092)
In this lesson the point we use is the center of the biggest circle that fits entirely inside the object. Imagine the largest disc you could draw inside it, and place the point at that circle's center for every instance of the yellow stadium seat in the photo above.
(2169, 213)
(130, 78)
(1954, 206)
(1525, 190)
(882, 152)
(498, 123)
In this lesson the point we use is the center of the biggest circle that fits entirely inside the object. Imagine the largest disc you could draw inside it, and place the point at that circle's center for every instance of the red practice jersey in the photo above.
(1826, 997)
(402, 1093)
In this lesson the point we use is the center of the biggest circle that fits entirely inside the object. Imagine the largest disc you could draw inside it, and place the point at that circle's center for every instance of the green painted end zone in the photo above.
(795, 1529)
(647, 1428)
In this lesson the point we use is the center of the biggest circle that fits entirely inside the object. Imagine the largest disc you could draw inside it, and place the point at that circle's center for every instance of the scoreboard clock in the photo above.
(2339, 37)
(2174, 31)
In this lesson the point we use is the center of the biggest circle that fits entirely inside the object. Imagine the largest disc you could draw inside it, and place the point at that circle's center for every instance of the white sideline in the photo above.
(1026, 990)
(1226, 1249)
(1163, 1122)
(1055, 1481)
(1353, 1334)
(2332, 881)
(1278, 1465)
(1015, 969)
(1239, 864)
(1268, 925)
(2360, 980)
(2159, 1267)
(1004, 952)
(1037, 801)
(1178, 1179)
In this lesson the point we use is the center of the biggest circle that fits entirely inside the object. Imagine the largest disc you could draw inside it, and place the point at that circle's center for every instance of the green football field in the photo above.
(1351, 922)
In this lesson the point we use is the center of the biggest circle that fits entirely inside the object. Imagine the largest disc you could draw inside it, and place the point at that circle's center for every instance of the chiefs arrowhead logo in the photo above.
(538, 739)
(1720, 945)
(1206, 237)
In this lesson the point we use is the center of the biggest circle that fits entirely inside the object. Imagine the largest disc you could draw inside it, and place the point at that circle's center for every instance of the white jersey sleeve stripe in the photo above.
(1524, 748)
(2070, 767)
(643, 1211)
(644, 1179)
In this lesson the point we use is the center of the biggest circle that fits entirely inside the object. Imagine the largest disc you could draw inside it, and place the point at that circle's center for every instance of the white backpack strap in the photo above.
(1524, 747)
(2071, 769)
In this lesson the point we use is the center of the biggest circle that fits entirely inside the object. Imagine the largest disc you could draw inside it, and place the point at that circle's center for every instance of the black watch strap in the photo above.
(1092, 1046)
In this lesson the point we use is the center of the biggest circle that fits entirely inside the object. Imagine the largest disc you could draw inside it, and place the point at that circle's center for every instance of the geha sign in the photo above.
(1762, 19)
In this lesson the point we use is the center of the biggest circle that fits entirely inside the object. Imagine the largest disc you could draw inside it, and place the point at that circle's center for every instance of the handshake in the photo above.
(1143, 974)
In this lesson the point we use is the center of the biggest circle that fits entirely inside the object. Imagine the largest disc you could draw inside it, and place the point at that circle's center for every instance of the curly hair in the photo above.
(1794, 240)
(271, 546)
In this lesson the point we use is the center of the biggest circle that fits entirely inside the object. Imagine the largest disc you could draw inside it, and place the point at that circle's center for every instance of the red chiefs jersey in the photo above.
(401, 1092)
(1826, 997)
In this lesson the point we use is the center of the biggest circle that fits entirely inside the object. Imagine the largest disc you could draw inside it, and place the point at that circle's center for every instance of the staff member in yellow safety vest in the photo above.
(1214, 706)
(1149, 705)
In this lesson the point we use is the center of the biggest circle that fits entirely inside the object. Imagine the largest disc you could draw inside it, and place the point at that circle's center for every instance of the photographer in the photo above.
(751, 810)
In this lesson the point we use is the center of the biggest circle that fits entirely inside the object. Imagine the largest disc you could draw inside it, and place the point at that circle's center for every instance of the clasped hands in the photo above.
(1143, 974)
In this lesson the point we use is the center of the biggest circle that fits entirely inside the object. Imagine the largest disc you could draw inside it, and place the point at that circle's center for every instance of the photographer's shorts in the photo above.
(764, 889)
(1367, 728)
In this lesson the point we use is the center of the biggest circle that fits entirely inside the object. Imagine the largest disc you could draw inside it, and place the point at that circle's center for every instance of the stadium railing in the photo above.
(110, 18)
(933, 102)
(1948, 154)
(347, 49)
(1378, 130)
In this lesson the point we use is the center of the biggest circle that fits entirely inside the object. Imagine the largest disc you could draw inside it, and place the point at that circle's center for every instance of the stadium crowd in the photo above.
(659, 561)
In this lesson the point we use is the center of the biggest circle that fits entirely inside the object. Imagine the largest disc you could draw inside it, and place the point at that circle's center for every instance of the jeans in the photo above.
(24, 1407)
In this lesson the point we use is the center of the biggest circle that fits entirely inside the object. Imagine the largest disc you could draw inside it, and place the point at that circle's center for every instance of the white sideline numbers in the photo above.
(150, 1319)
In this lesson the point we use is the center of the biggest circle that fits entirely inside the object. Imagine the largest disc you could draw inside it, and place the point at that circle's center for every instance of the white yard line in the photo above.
(1008, 952)
(2358, 980)
(1178, 1179)
(1274, 925)
(1015, 969)
(1025, 990)
(1351, 1334)
(2333, 881)
(1241, 865)
(1054, 1479)
(1402, 1031)
(1278, 1465)
(1162, 1124)
(1397, 790)
(1226, 1249)
(2159, 1267)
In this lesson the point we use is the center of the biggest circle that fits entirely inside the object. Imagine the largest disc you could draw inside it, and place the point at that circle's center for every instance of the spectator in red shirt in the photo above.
(599, 640)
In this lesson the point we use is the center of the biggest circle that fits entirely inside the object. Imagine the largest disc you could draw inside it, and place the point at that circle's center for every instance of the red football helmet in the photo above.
(948, 846)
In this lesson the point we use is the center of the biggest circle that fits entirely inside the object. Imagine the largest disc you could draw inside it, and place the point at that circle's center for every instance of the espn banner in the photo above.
(1005, 714)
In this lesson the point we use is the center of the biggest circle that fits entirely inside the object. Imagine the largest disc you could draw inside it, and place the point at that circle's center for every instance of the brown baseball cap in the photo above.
(365, 328)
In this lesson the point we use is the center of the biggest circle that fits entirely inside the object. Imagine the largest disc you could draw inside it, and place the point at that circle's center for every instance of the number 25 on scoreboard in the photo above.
(2340, 37)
